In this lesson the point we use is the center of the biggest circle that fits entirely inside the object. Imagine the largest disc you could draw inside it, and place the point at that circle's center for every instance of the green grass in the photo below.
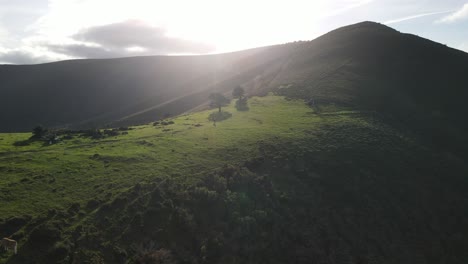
(292, 166)
(36, 178)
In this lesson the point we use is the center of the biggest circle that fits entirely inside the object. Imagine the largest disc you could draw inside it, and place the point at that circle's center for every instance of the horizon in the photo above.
(41, 31)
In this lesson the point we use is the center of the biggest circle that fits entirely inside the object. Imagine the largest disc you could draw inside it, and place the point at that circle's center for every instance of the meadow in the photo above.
(39, 177)
(201, 190)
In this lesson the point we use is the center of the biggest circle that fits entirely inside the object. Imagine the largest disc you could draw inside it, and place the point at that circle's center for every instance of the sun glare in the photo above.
(225, 24)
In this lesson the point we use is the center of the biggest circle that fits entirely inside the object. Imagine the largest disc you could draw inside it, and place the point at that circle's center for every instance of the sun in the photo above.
(227, 25)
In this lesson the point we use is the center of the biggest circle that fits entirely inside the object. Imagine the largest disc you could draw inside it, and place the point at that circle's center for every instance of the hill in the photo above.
(94, 93)
(280, 183)
(416, 82)
(352, 152)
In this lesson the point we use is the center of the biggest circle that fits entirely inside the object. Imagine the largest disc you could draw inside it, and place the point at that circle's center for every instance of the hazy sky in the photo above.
(35, 31)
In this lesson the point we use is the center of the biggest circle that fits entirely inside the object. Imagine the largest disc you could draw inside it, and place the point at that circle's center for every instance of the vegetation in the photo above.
(38, 132)
(277, 184)
(238, 92)
(218, 100)
(241, 103)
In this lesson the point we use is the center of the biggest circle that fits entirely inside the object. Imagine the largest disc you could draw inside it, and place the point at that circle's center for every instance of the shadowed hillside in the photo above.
(414, 82)
(93, 93)
(367, 65)
(354, 151)
(280, 183)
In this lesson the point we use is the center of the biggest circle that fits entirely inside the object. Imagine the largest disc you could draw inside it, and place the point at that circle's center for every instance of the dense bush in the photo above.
(44, 236)
(241, 104)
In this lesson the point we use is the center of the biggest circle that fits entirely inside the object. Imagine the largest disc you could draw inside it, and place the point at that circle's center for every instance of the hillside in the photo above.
(368, 65)
(94, 93)
(352, 150)
(280, 183)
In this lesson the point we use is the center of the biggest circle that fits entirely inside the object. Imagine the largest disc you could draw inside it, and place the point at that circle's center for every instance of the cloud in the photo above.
(456, 16)
(121, 38)
(21, 56)
(128, 38)
(398, 20)
(83, 50)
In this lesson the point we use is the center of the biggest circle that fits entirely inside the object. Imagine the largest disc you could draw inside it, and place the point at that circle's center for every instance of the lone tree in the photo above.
(218, 100)
(238, 92)
(38, 132)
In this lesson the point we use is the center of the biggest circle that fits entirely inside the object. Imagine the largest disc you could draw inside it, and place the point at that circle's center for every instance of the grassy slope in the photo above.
(36, 178)
(357, 160)
(32, 173)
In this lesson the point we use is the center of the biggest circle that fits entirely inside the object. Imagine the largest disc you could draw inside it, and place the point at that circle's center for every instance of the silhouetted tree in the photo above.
(238, 92)
(241, 103)
(218, 100)
(38, 132)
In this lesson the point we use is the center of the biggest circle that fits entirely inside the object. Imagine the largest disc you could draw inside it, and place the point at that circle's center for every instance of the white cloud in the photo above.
(3, 33)
(406, 18)
(459, 15)
(28, 55)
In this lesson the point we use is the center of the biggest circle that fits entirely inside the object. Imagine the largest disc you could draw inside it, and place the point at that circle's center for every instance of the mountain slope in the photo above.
(94, 92)
(367, 65)
(362, 159)
(280, 183)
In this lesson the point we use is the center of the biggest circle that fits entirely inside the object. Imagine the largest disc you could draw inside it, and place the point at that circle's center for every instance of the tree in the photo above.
(218, 100)
(38, 132)
(241, 103)
(238, 92)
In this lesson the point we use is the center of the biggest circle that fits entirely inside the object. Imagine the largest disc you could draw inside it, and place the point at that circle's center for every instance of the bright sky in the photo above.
(35, 31)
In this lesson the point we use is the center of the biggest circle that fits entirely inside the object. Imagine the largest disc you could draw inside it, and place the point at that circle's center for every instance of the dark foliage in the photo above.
(218, 100)
(11, 225)
(241, 104)
(38, 132)
(238, 92)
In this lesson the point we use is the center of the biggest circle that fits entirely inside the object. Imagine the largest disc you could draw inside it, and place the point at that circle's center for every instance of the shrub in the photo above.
(111, 133)
(241, 104)
(58, 252)
(38, 132)
(44, 235)
(12, 225)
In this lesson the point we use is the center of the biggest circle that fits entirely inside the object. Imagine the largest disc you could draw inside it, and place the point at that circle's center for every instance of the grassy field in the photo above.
(39, 177)
(293, 166)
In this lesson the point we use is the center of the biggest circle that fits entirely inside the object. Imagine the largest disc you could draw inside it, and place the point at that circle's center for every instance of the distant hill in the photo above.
(413, 81)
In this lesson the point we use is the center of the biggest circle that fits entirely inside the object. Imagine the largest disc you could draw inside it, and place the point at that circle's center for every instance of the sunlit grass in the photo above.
(36, 178)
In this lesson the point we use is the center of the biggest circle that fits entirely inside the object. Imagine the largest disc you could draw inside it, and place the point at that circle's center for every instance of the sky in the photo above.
(38, 31)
